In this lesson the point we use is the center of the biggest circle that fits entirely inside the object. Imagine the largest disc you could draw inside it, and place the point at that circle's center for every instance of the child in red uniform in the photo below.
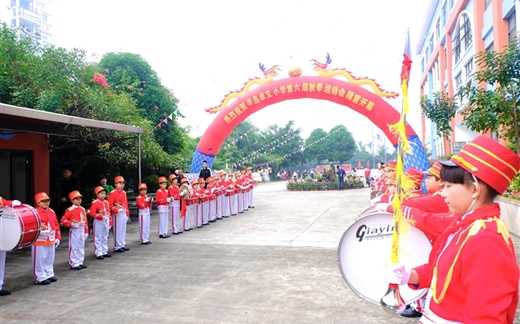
(174, 204)
(100, 211)
(162, 200)
(472, 270)
(75, 217)
(144, 203)
(118, 203)
(43, 249)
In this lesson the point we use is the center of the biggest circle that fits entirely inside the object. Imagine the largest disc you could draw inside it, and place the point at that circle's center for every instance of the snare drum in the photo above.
(19, 227)
(192, 201)
(364, 251)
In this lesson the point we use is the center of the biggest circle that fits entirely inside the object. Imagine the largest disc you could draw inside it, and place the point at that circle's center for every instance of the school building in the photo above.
(453, 31)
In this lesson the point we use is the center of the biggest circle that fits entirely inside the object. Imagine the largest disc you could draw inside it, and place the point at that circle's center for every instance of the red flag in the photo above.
(407, 61)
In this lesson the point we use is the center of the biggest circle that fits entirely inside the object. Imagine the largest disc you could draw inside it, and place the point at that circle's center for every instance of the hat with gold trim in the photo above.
(119, 179)
(41, 196)
(141, 186)
(434, 170)
(98, 189)
(74, 194)
(489, 161)
(161, 179)
(414, 175)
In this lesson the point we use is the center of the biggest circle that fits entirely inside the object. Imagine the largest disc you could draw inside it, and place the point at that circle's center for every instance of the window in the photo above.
(487, 3)
(437, 29)
(443, 14)
(430, 46)
(452, 2)
(511, 24)
(469, 68)
(462, 37)
(44, 18)
(422, 65)
(458, 80)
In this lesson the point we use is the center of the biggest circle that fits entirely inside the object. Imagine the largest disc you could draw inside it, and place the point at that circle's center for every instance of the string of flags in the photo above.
(291, 132)
(252, 157)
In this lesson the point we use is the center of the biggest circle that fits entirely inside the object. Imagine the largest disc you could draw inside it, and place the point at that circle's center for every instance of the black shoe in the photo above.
(144, 243)
(4, 292)
(410, 312)
(199, 226)
(212, 221)
(162, 236)
(119, 250)
(251, 206)
(52, 279)
(100, 257)
(205, 224)
(233, 214)
(241, 212)
(108, 255)
(148, 242)
(187, 230)
(175, 233)
(71, 268)
(126, 249)
(43, 282)
(83, 266)
(225, 216)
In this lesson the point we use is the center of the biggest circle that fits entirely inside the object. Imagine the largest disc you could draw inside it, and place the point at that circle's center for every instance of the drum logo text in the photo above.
(365, 232)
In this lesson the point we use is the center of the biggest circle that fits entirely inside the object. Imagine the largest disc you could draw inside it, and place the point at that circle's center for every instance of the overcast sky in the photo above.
(204, 49)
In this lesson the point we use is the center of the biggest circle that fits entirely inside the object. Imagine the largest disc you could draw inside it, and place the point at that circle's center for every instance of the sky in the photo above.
(204, 49)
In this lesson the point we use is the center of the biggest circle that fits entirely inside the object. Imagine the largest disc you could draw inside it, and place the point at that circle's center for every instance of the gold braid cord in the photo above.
(471, 231)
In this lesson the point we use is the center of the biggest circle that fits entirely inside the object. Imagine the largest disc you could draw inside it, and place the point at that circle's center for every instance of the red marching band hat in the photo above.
(414, 175)
(161, 179)
(141, 186)
(74, 194)
(98, 189)
(434, 170)
(489, 161)
(119, 179)
(41, 196)
(391, 165)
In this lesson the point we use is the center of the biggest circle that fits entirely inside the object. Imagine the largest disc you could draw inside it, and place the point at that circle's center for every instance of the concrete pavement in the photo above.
(275, 263)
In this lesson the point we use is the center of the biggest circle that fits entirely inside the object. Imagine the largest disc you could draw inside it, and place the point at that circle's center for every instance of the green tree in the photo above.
(340, 144)
(495, 108)
(315, 150)
(131, 74)
(441, 109)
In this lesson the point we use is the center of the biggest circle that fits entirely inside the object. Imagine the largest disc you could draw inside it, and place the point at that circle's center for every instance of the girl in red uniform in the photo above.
(162, 200)
(100, 211)
(472, 270)
(75, 217)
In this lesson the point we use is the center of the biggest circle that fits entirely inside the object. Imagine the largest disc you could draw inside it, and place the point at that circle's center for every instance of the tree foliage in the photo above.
(495, 108)
(317, 151)
(59, 80)
(441, 109)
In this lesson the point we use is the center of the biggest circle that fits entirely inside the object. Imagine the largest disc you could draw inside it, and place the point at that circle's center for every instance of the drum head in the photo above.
(364, 252)
(368, 210)
(10, 229)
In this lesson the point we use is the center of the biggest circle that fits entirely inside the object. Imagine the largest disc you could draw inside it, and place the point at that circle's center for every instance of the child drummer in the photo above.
(43, 249)
(144, 203)
(100, 211)
(3, 254)
(75, 217)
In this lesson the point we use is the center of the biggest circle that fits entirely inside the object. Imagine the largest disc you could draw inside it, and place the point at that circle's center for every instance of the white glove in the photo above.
(86, 236)
(398, 274)
(74, 225)
(16, 203)
(81, 224)
(147, 199)
(170, 199)
(182, 194)
(382, 207)
(375, 200)
(56, 243)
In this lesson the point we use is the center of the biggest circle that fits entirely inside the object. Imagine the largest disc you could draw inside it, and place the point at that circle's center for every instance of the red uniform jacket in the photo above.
(433, 203)
(119, 197)
(174, 192)
(483, 285)
(142, 203)
(75, 214)
(100, 208)
(161, 197)
(49, 221)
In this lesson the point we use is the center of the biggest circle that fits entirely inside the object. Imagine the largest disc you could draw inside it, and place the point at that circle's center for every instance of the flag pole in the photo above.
(392, 300)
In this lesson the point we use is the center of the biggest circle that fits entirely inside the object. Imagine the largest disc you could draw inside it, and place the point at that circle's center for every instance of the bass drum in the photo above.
(19, 227)
(364, 253)
(369, 210)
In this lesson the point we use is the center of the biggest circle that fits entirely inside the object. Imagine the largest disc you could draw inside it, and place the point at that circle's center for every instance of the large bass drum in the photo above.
(19, 227)
(364, 253)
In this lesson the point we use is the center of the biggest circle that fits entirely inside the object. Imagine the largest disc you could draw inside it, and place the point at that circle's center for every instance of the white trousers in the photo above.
(186, 221)
(233, 204)
(3, 255)
(191, 211)
(218, 207)
(163, 212)
(119, 228)
(43, 261)
(240, 198)
(224, 206)
(198, 212)
(246, 200)
(144, 225)
(205, 212)
(212, 209)
(251, 197)
(175, 212)
(100, 231)
(77, 246)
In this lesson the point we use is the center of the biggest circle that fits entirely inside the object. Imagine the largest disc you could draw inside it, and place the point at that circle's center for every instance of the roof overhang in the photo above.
(64, 119)
(30, 128)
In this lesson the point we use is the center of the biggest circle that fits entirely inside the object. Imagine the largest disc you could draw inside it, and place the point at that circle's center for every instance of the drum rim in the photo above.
(350, 285)
(22, 229)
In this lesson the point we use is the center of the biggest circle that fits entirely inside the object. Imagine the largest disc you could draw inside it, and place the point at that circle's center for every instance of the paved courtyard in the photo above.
(275, 263)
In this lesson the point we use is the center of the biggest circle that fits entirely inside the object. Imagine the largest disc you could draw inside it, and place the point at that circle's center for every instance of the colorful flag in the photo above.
(407, 60)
